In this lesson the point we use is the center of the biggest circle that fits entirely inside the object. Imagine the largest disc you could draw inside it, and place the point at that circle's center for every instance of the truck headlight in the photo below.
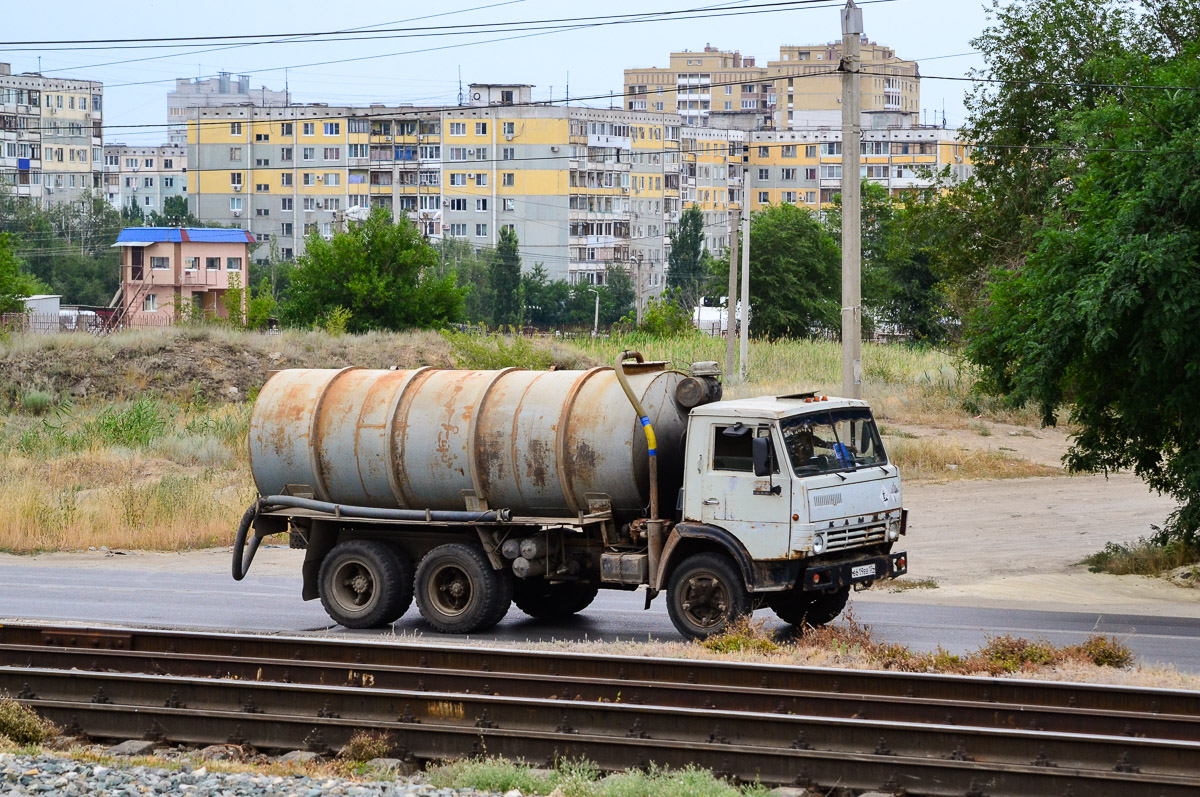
(893, 531)
(818, 543)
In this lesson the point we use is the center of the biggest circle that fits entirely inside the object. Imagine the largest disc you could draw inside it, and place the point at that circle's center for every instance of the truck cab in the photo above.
(800, 492)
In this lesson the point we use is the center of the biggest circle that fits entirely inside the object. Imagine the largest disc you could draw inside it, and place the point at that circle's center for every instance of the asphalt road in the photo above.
(272, 603)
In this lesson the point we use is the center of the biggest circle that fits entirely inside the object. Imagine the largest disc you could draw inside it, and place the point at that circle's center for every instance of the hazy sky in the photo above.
(396, 71)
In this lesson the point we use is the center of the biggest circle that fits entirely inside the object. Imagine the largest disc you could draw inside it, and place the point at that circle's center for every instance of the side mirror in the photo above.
(761, 449)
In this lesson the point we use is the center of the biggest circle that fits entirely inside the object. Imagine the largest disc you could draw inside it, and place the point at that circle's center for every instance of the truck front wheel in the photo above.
(545, 601)
(362, 584)
(807, 608)
(458, 592)
(705, 594)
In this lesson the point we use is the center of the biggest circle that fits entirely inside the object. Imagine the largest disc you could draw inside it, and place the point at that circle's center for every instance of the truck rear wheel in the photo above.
(545, 601)
(807, 608)
(458, 592)
(363, 585)
(705, 594)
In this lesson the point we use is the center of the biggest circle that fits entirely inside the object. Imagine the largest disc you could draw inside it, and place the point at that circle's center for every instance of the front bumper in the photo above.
(840, 575)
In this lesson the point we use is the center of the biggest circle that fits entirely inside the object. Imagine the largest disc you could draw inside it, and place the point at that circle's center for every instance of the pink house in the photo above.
(163, 268)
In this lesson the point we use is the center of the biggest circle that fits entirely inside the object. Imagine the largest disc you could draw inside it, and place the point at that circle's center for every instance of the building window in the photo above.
(481, 128)
(333, 128)
(831, 171)
(262, 211)
(147, 182)
(235, 204)
(285, 228)
(458, 230)
(457, 154)
(333, 178)
(509, 204)
(150, 303)
(308, 153)
(788, 151)
(191, 263)
(787, 174)
(458, 178)
(160, 263)
(764, 152)
(810, 150)
(481, 204)
(309, 178)
(235, 179)
(458, 203)
(458, 128)
(359, 151)
(286, 129)
(309, 128)
(788, 197)
(262, 137)
(212, 263)
(285, 179)
(509, 179)
(168, 182)
(481, 178)
(285, 154)
(310, 203)
(480, 230)
(509, 128)
(764, 174)
(764, 197)
(333, 153)
(287, 203)
(233, 263)
(262, 187)
(235, 153)
(235, 128)
(831, 148)
(508, 153)
(810, 174)
(262, 163)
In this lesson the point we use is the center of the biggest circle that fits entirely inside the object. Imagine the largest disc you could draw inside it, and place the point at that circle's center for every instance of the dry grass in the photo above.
(928, 459)
(21, 725)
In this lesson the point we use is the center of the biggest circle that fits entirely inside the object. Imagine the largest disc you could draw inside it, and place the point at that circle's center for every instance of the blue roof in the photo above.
(207, 235)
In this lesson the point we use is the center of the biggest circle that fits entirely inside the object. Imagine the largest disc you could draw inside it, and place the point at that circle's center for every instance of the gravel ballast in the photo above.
(54, 776)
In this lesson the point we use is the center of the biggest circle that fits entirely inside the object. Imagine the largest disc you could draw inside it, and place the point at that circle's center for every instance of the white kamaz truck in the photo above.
(472, 490)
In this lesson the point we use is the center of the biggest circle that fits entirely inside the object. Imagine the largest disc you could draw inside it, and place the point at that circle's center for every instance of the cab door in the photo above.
(756, 510)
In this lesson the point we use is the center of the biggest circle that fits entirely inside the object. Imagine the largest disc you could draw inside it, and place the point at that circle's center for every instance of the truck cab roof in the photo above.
(775, 407)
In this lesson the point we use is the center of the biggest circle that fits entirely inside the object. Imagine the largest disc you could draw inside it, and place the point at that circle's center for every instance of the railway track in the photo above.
(923, 734)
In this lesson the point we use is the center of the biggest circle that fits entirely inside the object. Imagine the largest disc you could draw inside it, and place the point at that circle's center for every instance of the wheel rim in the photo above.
(450, 590)
(705, 600)
(355, 586)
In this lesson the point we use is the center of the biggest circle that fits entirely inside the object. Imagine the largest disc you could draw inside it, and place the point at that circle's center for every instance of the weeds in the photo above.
(941, 460)
(36, 402)
(1143, 558)
(744, 634)
(365, 746)
(905, 584)
(22, 725)
(492, 352)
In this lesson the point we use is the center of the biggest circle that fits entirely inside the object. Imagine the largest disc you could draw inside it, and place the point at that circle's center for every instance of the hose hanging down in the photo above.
(654, 526)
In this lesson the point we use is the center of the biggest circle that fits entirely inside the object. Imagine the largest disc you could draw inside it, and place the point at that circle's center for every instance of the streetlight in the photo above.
(596, 320)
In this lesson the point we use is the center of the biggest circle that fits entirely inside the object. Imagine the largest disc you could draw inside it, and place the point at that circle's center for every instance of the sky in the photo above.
(425, 70)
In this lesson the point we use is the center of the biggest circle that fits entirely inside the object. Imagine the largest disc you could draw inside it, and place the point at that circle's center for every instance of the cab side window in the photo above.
(731, 448)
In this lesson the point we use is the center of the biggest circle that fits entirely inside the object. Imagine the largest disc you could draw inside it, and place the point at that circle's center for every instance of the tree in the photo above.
(686, 274)
(132, 215)
(1101, 317)
(15, 284)
(795, 274)
(381, 273)
(471, 272)
(616, 298)
(505, 270)
(174, 214)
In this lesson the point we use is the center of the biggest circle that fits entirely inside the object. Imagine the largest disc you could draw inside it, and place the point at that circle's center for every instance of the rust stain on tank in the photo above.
(535, 462)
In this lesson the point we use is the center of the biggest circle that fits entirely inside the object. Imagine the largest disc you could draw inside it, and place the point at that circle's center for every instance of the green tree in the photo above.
(174, 214)
(616, 299)
(686, 266)
(261, 307)
(382, 274)
(132, 215)
(1101, 317)
(471, 272)
(15, 283)
(795, 274)
(506, 280)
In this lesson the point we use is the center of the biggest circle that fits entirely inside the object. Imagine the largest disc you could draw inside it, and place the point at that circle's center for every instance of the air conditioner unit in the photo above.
(237, 213)
(319, 178)
(508, 136)
(470, 152)
(554, 149)
(445, 203)
(237, 188)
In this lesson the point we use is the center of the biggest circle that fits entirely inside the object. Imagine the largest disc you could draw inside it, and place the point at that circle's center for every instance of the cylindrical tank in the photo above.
(536, 442)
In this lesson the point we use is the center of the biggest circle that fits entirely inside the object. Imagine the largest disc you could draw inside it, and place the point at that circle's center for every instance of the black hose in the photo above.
(239, 543)
(377, 513)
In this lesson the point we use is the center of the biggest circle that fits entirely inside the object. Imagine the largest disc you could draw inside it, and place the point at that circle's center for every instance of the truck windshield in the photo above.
(826, 442)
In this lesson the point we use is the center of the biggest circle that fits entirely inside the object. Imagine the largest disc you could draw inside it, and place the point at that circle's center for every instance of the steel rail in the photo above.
(366, 651)
(769, 700)
(854, 753)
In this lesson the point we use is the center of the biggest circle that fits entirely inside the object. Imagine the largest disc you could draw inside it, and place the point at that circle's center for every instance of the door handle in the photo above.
(710, 502)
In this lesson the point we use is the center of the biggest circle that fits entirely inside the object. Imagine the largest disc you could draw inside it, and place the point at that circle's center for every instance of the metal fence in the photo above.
(96, 322)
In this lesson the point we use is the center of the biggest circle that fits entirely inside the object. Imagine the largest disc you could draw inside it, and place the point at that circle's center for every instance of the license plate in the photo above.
(862, 571)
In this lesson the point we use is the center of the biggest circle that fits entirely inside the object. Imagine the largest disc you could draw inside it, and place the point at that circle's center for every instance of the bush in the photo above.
(1010, 654)
(1142, 558)
(36, 402)
(134, 426)
(742, 634)
(1105, 651)
(663, 318)
(364, 746)
(492, 352)
(22, 725)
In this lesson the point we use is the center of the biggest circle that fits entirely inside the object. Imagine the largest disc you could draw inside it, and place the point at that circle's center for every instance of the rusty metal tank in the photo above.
(535, 442)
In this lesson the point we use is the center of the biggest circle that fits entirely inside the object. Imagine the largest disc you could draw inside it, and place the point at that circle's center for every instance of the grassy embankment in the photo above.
(138, 440)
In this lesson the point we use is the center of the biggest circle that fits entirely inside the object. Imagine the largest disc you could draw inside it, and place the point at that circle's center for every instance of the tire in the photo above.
(705, 594)
(814, 609)
(405, 567)
(458, 592)
(544, 601)
(361, 584)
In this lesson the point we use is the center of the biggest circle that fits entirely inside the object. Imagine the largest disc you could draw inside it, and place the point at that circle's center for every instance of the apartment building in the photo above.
(50, 135)
(561, 177)
(144, 176)
(712, 178)
(214, 92)
(804, 167)
(783, 93)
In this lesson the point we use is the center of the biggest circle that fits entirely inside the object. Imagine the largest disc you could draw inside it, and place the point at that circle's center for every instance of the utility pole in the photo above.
(637, 299)
(852, 30)
(731, 299)
(596, 318)
(744, 350)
